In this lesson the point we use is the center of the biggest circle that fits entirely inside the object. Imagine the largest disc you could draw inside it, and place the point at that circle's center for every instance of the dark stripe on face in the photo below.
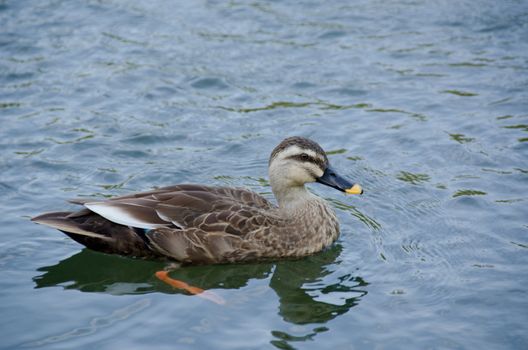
(305, 158)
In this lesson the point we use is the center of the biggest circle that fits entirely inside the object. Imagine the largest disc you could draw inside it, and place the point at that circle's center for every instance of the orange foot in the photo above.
(164, 276)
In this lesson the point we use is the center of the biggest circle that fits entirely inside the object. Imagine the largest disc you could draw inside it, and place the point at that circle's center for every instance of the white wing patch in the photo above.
(120, 215)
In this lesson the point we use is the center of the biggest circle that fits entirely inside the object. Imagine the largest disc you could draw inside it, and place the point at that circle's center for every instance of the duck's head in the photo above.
(298, 160)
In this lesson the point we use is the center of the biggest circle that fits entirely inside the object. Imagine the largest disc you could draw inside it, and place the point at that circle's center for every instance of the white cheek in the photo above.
(316, 170)
(312, 170)
(302, 176)
(303, 173)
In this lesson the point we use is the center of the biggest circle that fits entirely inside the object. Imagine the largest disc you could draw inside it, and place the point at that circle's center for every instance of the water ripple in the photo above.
(95, 325)
(422, 103)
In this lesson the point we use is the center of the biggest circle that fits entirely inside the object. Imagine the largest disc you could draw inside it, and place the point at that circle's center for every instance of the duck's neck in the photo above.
(290, 198)
(291, 194)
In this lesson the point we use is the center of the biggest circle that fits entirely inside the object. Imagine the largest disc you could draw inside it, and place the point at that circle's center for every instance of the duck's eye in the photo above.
(305, 157)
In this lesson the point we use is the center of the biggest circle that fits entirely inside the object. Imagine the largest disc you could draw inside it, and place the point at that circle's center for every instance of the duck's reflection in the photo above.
(310, 290)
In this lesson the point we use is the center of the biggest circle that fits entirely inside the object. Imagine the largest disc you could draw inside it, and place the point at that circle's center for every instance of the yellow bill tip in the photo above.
(356, 189)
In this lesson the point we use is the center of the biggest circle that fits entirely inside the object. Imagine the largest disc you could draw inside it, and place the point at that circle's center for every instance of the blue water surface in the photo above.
(425, 103)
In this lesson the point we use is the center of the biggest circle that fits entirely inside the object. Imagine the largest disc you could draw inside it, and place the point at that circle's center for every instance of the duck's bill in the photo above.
(334, 180)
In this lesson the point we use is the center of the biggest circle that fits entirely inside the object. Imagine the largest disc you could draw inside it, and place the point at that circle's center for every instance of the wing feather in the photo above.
(212, 209)
(128, 214)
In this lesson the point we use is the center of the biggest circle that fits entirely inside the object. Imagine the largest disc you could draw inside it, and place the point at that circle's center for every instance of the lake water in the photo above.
(425, 103)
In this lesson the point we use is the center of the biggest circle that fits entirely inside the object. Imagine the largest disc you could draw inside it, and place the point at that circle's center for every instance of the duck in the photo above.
(199, 224)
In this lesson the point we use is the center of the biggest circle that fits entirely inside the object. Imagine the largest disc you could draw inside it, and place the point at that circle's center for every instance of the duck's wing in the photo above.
(215, 235)
(197, 225)
(227, 234)
(182, 206)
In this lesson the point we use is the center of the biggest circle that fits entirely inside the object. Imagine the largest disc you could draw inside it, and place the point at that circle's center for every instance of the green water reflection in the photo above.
(309, 290)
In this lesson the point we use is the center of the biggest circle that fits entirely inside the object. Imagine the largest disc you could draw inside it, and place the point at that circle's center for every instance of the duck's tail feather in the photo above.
(62, 222)
(97, 233)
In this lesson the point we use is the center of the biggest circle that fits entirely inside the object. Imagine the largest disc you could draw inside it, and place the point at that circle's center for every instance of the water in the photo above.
(424, 103)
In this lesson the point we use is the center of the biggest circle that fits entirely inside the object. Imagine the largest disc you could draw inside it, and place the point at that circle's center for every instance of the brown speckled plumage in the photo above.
(199, 224)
